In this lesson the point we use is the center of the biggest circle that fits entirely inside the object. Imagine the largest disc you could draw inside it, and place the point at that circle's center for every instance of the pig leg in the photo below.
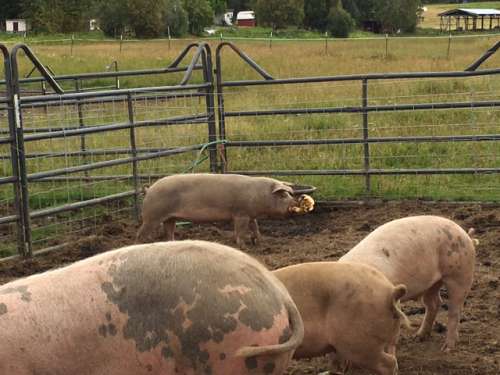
(241, 224)
(391, 347)
(145, 231)
(456, 297)
(375, 359)
(338, 365)
(169, 228)
(255, 233)
(432, 302)
(386, 365)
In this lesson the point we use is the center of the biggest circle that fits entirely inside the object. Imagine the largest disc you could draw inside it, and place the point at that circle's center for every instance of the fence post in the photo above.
(14, 156)
(449, 47)
(81, 124)
(220, 110)
(210, 103)
(72, 43)
(326, 42)
(386, 45)
(365, 137)
(22, 178)
(121, 42)
(133, 149)
(168, 33)
(271, 40)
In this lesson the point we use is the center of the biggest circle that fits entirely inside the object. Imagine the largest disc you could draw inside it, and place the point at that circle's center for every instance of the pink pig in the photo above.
(423, 253)
(183, 308)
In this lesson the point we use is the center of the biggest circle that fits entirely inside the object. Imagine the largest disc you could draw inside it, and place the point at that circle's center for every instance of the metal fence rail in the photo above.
(73, 157)
(59, 138)
(366, 140)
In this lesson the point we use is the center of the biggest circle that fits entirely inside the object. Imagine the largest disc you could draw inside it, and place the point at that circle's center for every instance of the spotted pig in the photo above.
(187, 307)
(424, 253)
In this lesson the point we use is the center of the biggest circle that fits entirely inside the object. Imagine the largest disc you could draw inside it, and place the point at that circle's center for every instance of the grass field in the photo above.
(282, 60)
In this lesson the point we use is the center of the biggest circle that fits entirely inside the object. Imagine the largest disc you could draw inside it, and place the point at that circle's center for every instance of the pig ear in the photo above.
(281, 187)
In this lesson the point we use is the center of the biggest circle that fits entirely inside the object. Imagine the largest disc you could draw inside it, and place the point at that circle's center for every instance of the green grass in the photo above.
(41, 37)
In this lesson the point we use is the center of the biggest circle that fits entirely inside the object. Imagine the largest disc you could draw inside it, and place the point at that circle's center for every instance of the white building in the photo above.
(16, 26)
(93, 25)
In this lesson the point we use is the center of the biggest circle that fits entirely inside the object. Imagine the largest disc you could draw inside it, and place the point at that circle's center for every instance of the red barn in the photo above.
(246, 18)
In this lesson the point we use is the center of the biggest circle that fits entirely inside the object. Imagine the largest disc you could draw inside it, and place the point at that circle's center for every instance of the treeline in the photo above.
(152, 18)
(338, 17)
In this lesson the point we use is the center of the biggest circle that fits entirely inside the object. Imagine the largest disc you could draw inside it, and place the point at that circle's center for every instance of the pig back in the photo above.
(192, 195)
(180, 305)
(414, 251)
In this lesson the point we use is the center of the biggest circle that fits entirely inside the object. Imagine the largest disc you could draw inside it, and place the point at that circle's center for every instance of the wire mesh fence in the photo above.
(410, 135)
(87, 153)
(86, 146)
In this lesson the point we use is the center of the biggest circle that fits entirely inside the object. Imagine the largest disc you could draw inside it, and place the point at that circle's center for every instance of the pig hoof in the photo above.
(447, 347)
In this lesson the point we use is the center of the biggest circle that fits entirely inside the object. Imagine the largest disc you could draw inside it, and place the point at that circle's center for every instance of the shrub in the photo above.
(175, 18)
(200, 15)
(279, 13)
(340, 23)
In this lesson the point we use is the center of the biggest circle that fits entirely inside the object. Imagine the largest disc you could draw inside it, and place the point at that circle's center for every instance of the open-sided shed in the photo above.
(470, 19)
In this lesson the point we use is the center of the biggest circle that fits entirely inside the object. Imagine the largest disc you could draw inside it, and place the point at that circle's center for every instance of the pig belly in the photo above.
(205, 214)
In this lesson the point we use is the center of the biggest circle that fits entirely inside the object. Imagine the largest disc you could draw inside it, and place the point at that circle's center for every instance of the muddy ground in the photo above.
(328, 233)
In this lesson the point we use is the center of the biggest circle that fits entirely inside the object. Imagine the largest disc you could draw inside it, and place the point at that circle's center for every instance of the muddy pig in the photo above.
(204, 197)
(350, 310)
(424, 253)
(187, 307)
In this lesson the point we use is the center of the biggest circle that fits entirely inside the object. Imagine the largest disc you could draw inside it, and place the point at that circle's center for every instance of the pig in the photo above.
(186, 307)
(204, 197)
(423, 253)
(348, 309)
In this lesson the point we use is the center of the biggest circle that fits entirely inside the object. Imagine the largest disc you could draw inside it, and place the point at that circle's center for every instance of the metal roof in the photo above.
(471, 12)
(246, 15)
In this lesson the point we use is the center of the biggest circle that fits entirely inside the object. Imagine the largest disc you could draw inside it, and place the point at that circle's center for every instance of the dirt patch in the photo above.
(327, 234)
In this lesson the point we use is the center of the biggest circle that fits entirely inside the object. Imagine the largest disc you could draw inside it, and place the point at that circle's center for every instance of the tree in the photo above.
(175, 18)
(200, 15)
(146, 17)
(351, 7)
(279, 13)
(218, 6)
(114, 17)
(397, 15)
(43, 15)
(316, 13)
(57, 15)
(340, 23)
(10, 9)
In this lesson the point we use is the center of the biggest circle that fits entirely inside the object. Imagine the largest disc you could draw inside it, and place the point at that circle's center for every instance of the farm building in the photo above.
(244, 18)
(16, 26)
(470, 19)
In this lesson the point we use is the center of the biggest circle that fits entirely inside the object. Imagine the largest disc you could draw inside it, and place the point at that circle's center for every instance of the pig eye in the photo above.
(285, 194)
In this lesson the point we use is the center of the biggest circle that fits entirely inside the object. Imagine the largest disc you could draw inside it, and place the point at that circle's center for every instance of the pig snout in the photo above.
(304, 204)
